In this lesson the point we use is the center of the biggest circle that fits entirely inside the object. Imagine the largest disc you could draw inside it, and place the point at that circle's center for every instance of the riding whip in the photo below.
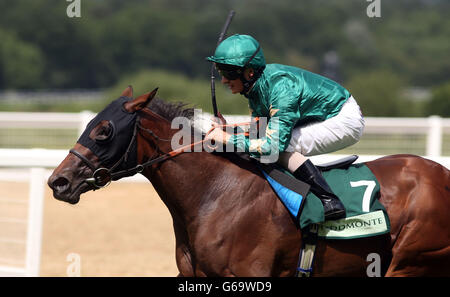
(213, 86)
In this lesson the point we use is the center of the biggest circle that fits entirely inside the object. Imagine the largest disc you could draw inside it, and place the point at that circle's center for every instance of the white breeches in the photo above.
(330, 135)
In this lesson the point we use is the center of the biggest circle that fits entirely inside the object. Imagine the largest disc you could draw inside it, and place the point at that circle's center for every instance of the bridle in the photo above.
(102, 176)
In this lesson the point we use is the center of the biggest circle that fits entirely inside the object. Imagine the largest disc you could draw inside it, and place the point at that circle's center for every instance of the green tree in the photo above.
(116, 38)
(378, 93)
(181, 88)
(440, 101)
(21, 63)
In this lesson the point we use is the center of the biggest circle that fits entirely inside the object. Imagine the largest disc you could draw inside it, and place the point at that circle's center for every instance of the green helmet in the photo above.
(241, 51)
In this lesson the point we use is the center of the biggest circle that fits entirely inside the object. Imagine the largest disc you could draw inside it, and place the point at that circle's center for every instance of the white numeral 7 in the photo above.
(370, 184)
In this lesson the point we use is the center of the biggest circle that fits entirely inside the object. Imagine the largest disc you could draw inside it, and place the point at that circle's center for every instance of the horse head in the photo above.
(107, 145)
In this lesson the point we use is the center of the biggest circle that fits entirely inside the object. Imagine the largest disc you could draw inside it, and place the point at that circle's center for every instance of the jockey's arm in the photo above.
(283, 115)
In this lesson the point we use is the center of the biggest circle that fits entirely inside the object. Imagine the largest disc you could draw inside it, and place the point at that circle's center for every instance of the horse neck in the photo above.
(182, 182)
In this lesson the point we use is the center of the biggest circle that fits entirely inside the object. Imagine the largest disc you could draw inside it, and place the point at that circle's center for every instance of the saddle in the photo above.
(340, 163)
(291, 190)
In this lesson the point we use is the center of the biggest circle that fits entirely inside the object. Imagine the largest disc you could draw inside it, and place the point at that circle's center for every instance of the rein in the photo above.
(102, 176)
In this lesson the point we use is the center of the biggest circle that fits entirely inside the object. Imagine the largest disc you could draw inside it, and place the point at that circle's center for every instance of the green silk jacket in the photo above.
(287, 96)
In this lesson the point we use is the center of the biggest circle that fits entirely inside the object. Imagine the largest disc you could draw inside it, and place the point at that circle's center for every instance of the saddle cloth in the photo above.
(358, 190)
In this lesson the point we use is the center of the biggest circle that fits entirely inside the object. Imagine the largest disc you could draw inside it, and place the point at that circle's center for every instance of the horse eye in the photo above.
(105, 133)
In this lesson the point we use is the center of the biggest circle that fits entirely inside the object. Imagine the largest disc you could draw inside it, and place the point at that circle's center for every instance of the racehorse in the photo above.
(229, 222)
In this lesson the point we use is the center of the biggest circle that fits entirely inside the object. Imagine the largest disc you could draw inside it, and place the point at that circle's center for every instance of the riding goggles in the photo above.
(230, 74)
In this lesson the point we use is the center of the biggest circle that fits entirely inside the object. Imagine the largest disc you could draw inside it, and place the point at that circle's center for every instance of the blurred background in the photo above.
(56, 71)
(395, 65)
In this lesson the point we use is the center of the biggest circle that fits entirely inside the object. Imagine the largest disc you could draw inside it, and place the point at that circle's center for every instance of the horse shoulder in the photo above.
(246, 230)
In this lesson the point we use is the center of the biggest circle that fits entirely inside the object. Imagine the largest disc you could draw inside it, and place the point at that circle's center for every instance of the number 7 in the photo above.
(370, 184)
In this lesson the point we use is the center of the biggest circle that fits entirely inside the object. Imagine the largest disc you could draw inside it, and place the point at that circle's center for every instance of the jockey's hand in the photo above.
(216, 137)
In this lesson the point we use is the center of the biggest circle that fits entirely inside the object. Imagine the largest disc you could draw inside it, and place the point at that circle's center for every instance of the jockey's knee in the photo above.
(291, 160)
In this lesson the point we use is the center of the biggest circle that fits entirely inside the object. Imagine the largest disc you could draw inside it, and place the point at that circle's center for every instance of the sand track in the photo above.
(122, 230)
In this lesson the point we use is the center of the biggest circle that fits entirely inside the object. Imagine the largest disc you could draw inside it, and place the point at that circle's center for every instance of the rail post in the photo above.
(434, 137)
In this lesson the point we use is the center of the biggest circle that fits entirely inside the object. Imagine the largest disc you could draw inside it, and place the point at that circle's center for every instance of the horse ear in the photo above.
(140, 102)
(128, 92)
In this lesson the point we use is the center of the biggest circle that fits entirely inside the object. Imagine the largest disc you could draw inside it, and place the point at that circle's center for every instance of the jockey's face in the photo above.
(235, 85)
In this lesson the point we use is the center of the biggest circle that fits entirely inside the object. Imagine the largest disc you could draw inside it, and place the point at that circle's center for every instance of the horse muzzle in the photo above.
(66, 190)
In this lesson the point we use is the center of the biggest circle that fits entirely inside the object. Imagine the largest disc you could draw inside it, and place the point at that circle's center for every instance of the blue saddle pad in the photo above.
(292, 200)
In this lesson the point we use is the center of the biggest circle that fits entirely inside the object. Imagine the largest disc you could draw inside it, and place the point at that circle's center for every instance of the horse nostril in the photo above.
(60, 184)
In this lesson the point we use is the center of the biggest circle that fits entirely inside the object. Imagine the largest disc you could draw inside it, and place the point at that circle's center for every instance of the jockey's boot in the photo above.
(332, 206)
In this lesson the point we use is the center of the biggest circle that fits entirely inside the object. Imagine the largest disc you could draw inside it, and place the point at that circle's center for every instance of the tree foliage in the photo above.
(21, 63)
(378, 93)
(440, 101)
(178, 87)
(43, 48)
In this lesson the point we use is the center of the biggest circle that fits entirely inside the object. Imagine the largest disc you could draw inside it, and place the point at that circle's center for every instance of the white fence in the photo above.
(46, 120)
(433, 128)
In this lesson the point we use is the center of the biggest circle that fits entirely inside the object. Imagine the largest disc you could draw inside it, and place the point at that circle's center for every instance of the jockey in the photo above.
(311, 114)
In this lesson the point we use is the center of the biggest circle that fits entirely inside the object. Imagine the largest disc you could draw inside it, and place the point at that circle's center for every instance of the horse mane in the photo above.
(171, 110)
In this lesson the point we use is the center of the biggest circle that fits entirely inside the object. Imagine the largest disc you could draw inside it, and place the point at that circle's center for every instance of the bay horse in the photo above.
(229, 222)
